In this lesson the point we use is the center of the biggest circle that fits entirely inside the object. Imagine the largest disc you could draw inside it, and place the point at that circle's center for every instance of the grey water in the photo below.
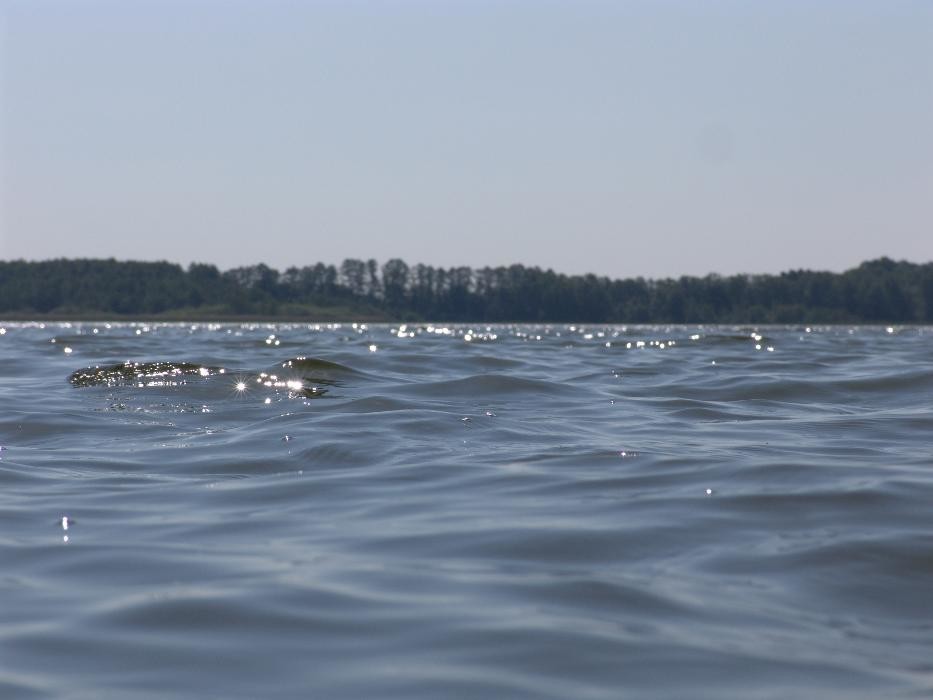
(439, 511)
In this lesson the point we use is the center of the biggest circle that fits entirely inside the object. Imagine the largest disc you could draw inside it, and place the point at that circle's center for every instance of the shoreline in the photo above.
(346, 319)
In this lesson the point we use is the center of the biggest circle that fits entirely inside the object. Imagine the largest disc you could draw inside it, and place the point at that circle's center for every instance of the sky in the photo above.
(626, 139)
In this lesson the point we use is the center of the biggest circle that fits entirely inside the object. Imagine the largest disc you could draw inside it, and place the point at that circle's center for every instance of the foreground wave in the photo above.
(299, 375)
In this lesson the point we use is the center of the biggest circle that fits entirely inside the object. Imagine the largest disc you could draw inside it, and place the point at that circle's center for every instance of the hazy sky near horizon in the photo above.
(647, 138)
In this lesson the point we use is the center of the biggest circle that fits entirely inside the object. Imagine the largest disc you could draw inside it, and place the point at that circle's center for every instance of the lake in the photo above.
(454, 511)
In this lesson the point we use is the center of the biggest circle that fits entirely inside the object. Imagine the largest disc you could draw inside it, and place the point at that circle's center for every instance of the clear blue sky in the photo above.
(622, 138)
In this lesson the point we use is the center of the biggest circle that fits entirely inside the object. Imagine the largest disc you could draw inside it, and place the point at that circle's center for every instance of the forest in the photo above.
(877, 291)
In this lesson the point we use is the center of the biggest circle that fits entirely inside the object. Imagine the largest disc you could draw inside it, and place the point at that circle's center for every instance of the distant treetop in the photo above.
(877, 291)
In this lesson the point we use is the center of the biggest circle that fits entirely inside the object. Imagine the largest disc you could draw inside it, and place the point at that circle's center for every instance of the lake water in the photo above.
(465, 511)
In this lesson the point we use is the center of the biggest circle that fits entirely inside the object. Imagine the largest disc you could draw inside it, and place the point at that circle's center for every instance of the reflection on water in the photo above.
(66, 522)
(173, 373)
(141, 373)
(509, 511)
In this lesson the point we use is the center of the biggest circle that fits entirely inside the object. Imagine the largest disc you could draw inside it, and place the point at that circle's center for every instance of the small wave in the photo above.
(310, 364)
(315, 371)
(302, 376)
(136, 372)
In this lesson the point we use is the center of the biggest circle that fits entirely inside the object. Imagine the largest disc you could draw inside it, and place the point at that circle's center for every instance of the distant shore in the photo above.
(335, 315)
(877, 291)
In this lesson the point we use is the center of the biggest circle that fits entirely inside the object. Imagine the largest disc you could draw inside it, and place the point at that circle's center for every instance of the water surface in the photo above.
(347, 511)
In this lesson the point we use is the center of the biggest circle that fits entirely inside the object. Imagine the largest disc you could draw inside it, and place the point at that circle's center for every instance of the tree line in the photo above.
(877, 291)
